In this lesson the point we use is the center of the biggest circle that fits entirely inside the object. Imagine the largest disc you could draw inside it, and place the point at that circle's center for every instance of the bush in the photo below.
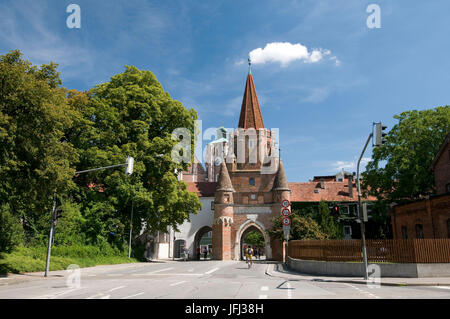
(30, 259)
(11, 231)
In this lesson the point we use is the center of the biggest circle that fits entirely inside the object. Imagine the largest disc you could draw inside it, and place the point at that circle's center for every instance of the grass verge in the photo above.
(31, 259)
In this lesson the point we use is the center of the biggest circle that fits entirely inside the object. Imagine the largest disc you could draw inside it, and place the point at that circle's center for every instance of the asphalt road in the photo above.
(196, 280)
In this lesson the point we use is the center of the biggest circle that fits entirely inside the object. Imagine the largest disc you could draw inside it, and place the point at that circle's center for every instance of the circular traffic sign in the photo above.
(285, 212)
(285, 203)
(286, 221)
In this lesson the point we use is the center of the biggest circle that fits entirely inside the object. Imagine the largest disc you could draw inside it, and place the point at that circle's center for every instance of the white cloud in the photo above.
(286, 53)
(349, 166)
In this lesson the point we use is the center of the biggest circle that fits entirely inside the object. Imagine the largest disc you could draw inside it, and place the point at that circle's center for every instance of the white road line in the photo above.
(177, 283)
(289, 292)
(127, 297)
(117, 288)
(211, 271)
(191, 270)
(442, 287)
(265, 288)
(105, 297)
(52, 296)
(171, 274)
(161, 270)
(262, 296)
(111, 275)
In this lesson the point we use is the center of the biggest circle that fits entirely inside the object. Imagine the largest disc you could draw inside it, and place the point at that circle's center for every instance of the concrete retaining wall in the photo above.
(347, 269)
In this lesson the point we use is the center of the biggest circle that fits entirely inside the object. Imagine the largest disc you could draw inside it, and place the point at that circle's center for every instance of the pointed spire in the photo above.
(280, 183)
(250, 112)
(224, 183)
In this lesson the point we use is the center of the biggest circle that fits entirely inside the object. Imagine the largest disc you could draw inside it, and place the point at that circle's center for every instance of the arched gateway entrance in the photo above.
(202, 240)
(243, 231)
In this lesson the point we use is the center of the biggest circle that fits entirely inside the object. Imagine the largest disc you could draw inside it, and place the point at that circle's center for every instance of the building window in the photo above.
(419, 231)
(212, 205)
(252, 196)
(404, 232)
(251, 181)
(347, 231)
(448, 188)
(345, 210)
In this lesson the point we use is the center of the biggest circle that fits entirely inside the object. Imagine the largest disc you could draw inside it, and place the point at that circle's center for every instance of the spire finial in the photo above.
(249, 65)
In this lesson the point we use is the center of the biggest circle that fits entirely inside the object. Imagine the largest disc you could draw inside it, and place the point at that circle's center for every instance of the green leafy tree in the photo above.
(254, 238)
(411, 147)
(301, 228)
(327, 223)
(131, 115)
(11, 232)
(36, 161)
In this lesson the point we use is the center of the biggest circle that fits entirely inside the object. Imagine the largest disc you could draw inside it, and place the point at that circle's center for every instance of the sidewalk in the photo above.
(282, 271)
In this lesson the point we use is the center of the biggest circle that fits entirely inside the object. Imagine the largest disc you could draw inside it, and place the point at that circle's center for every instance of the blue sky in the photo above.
(198, 51)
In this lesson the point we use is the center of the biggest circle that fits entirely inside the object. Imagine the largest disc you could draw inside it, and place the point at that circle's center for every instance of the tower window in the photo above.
(251, 181)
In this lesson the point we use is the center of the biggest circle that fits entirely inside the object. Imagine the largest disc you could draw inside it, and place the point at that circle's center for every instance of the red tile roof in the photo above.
(333, 192)
(301, 192)
(202, 189)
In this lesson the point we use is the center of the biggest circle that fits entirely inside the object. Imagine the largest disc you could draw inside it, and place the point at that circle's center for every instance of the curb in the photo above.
(391, 284)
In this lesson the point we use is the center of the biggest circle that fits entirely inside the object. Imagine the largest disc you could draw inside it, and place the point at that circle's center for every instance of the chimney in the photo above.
(322, 183)
(350, 186)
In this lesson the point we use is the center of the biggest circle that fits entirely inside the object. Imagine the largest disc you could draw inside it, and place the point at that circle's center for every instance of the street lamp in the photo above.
(128, 170)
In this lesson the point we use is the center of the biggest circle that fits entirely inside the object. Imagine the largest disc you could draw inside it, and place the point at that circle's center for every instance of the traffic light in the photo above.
(335, 210)
(130, 165)
(380, 134)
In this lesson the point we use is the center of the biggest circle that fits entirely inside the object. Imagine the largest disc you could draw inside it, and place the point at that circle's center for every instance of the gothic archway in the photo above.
(198, 236)
(245, 228)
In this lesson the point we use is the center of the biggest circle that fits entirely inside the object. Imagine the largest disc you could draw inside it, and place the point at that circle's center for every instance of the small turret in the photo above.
(224, 190)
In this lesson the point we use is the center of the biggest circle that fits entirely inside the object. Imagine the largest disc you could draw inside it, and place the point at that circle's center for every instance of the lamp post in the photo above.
(128, 170)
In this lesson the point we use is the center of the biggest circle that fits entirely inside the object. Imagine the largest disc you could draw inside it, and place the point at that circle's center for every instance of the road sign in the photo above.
(286, 231)
(285, 203)
(286, 221)
(285, 212)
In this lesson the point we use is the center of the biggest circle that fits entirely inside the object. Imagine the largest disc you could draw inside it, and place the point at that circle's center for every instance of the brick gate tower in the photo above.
(251, 184)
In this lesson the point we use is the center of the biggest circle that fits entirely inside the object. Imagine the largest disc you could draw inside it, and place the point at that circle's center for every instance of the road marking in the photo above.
(363, 291)
(191, 270)
(141, 293)
(59, 294)
(161, 270)
(114, 275)
(265, 288)
(177, 283)
(442, 287)
(289, 291)
(105, 297)
(262, 296)
(171, 274)
(117, 288)
(211, 271)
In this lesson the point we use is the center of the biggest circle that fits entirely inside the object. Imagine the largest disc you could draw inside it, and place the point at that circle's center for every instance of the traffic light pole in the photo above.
(361, 218)
(50, 238)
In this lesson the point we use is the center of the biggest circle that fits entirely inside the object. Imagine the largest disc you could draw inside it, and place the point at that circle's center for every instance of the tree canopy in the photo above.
(401, 168)
(301, 228)
(47, 133)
